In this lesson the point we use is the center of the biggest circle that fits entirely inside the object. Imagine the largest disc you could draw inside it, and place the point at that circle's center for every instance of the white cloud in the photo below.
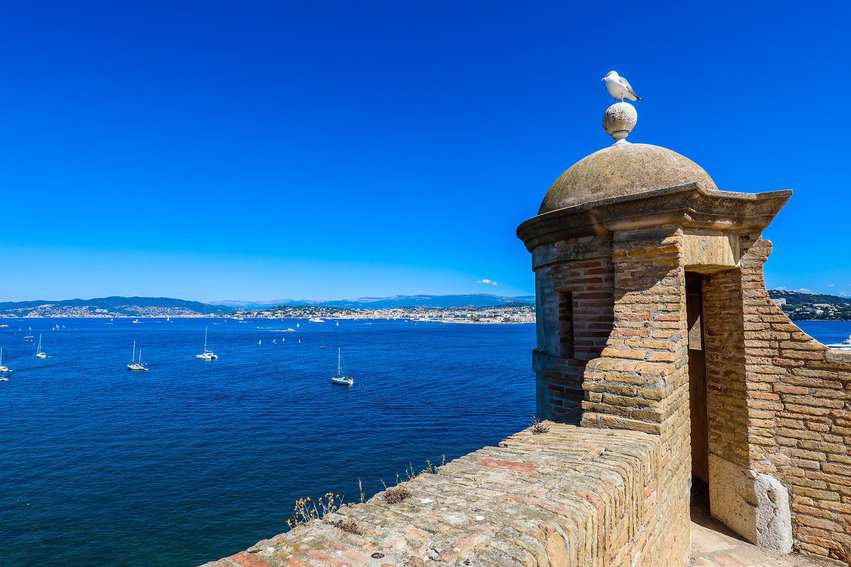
(486, 281)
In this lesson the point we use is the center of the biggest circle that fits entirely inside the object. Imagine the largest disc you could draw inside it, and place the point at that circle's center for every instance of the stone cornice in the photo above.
(688, 205)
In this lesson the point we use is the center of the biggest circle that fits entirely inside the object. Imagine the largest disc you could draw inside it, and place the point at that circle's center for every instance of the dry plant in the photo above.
(306, 509)
(348, 525)
(396, 494)
(539, 426)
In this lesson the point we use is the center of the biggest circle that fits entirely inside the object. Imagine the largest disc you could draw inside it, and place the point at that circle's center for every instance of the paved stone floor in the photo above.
(713, 545)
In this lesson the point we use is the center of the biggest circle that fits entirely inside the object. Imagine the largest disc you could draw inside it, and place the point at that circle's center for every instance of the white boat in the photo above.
(136, 364)
(260, 342)
(316, 320)
(206, 354)
(28, 336)
(341, 378)
(338, 323)
(844, 345)
(40, 354)
(3, 369)
(135, 321)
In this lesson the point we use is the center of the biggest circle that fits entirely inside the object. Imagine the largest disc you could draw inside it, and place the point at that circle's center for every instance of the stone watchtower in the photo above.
(653, 316)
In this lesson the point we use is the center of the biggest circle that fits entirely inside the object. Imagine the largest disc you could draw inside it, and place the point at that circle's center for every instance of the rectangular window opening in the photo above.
(565, 317)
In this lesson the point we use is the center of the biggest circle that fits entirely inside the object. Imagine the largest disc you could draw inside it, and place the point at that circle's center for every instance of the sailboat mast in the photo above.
(339, 363)
(205, 338)
(133, 356)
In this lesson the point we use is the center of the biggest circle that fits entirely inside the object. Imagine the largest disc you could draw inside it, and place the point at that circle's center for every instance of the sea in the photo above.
(192, 460)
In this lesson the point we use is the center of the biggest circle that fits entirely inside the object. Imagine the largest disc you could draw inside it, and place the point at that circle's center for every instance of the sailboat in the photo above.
(136, 364)
(844, 345)
(3, 369)
(38, 352)
(207, 355)
(341, 378)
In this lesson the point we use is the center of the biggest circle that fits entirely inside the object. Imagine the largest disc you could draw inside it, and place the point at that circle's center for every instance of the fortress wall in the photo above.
(782, 410)
(640, 381)
(581, 267)
(802, 431)
(570, 496)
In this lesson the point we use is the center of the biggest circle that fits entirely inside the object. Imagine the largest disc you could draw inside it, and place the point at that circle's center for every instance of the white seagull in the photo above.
(619, 87)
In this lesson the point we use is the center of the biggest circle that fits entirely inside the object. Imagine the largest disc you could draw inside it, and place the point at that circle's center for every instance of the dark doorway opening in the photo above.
(697, 392)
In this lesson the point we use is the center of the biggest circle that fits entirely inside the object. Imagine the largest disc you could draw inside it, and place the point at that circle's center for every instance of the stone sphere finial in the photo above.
(619, 120)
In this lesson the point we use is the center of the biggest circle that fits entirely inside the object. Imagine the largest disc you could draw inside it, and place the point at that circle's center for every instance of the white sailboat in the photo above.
(341, 378)
(3, 369)
(207, 354)
(844, 345)
(38, 352)
(136, 364)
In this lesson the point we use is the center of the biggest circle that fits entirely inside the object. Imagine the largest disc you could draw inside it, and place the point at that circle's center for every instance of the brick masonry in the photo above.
(781, 403)
(583, 268)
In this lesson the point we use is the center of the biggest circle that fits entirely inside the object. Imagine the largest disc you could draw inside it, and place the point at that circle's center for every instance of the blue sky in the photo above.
(251, 150)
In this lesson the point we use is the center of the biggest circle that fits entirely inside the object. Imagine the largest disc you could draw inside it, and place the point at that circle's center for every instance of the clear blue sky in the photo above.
(248, 150)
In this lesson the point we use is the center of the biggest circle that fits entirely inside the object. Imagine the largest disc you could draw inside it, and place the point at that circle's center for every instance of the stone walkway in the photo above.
(713, 545)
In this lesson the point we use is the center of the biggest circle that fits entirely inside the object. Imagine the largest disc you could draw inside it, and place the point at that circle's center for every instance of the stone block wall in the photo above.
(640, 380)
(570, 496)
(780, 411)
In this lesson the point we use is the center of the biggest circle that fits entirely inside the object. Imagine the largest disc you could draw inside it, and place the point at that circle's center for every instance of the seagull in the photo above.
(619, 87)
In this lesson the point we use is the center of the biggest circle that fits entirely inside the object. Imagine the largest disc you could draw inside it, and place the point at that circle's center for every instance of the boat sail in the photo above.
(341, 378)
(136, 364)
(206, 354)
(3, 369)
(39, 353)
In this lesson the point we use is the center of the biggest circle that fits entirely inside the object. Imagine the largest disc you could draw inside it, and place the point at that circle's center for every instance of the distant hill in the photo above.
(800, 305)
(118, 306)
(110, 306)
(396, 301)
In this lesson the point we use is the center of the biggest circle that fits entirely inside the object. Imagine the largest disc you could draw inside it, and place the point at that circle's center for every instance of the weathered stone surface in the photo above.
(571, 496)
(623, 169)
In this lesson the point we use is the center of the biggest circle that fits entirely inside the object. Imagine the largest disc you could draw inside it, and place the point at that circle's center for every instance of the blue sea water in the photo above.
(193, 461)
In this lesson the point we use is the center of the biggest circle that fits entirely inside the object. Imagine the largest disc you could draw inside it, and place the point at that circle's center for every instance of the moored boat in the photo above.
(135, 364)
(206, 354)
(341, 378)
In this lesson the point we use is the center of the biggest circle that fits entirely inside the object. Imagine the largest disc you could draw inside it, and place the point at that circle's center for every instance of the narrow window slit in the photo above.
(565, 316)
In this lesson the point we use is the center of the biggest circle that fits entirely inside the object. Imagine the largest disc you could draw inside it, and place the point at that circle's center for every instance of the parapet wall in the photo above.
(570, 496)
(780, 408)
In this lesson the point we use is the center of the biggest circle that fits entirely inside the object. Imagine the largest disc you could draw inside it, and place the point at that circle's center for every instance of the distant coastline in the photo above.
(512, 314)
(471, 308)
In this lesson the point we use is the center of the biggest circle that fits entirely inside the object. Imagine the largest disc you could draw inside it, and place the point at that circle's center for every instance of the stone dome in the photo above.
(623, 169)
